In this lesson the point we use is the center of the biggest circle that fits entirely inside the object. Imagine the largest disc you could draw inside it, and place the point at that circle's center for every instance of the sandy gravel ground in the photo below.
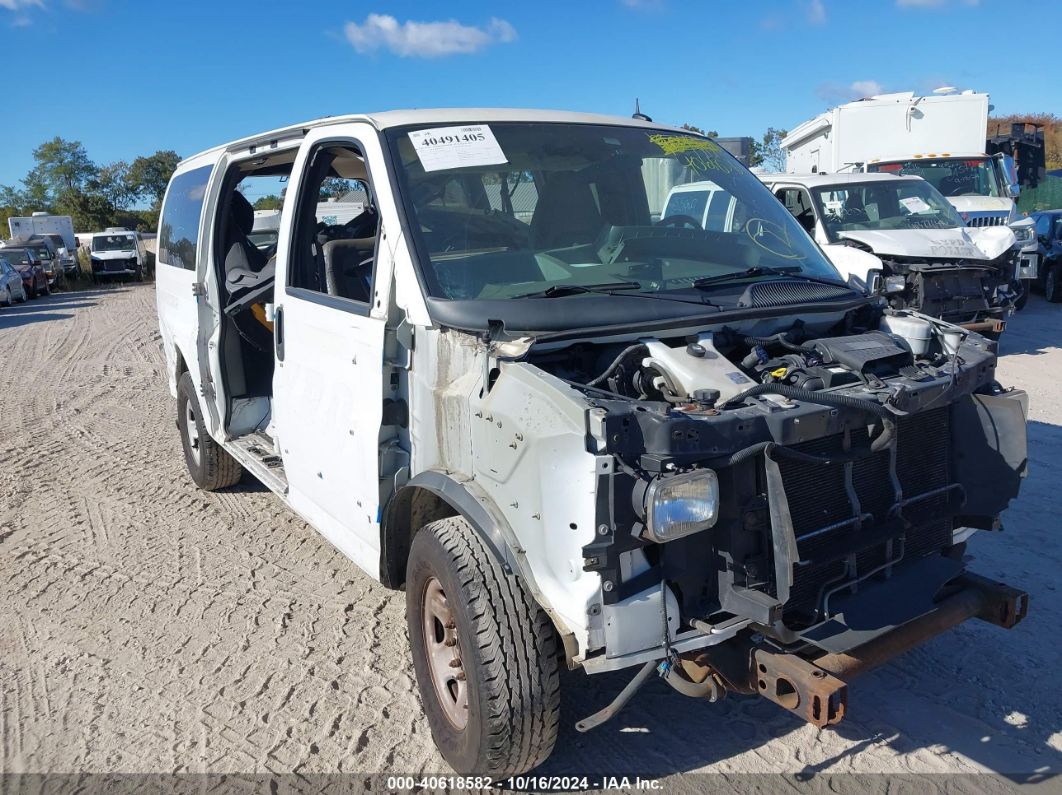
(147, 626)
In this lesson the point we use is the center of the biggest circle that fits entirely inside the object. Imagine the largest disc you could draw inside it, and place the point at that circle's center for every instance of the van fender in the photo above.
(465, 498)
(453, 498)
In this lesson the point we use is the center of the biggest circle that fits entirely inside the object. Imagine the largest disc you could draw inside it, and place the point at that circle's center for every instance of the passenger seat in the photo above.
(348, 268)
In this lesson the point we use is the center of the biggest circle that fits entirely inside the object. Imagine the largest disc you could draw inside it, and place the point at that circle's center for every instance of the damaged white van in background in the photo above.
(575, 428)
(929, 260)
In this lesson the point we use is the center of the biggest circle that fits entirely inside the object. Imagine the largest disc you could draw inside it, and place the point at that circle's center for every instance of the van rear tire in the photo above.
(495, 650)
(210, 466)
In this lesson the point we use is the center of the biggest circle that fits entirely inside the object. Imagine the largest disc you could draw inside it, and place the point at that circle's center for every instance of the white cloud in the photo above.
(16, 5)
(836, 92)
(816, 12)
(425, 39)
(866, 88)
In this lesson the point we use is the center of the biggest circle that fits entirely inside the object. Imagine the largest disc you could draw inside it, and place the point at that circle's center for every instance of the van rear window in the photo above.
(181, 212)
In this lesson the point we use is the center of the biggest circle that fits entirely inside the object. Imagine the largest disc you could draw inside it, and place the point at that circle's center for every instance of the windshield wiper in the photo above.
(560, 290)
(761, 270)
(609, 288)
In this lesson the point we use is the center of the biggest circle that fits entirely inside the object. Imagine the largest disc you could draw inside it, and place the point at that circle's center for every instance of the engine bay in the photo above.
(833, 449)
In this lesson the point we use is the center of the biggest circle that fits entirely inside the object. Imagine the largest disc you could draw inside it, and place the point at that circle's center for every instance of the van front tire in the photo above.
(209, 465)
(475, 630)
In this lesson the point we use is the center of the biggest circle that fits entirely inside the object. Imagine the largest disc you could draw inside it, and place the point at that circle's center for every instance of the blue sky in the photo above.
(128, 78)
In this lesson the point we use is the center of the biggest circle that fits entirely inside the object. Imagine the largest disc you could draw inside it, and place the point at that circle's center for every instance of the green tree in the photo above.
(112, 182)
(148, 176)
(271, 202)
(768, 152)
(694, 128)
(12, 197)
(89, 211)
(7, 211)
(334, 187)
(61, 166)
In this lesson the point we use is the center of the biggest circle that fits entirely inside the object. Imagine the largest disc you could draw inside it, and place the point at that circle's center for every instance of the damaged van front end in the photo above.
(704, 454)
(746, 530)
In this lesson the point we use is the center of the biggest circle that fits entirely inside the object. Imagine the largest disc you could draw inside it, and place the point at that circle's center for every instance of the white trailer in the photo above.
(885, 127)
(41, 223)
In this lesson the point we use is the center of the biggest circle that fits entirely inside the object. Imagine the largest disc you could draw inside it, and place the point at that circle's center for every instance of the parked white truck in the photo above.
(940, 138)
(600, 436)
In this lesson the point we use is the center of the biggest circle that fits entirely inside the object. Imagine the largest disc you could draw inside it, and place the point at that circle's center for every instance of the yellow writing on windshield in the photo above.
(698, 154)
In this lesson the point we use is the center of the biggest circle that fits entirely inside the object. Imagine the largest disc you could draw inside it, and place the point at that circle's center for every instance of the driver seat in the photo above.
(567, 214)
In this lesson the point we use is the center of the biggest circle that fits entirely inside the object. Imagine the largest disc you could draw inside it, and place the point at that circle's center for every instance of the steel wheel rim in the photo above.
(443, 654)
(192, 429)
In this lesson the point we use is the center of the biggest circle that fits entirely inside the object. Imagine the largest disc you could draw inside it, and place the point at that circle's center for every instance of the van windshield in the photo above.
(112, 243)
(883, 205)
(514, 210)
(955, 176)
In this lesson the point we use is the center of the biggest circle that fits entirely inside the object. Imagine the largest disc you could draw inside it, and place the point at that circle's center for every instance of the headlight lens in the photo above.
(1023, 234)
(683, 504)
(895, 284)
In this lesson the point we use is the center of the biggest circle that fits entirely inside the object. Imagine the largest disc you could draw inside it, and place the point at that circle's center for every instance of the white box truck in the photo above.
(940, 138)
(41, 223)
(58, 228)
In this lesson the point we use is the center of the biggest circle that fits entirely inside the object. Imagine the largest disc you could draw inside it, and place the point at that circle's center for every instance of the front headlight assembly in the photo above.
(680, 505)
(1023, 234)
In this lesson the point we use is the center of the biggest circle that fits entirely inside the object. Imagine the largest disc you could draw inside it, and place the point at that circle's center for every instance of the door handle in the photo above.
(278, 332)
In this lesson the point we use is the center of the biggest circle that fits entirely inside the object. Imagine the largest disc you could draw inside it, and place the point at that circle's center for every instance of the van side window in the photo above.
(181, 212)
(336, 228)
(1043, 225)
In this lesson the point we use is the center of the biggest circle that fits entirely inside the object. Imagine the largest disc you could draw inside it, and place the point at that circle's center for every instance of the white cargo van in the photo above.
(116, 252)
(576, 429)
(927, 258)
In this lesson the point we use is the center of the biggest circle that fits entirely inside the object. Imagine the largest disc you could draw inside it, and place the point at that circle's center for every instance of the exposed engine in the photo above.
(841, 455)
(716, 366)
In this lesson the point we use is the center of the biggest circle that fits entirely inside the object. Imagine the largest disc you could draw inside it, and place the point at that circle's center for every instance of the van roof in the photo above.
(819, 180)
(399, 118)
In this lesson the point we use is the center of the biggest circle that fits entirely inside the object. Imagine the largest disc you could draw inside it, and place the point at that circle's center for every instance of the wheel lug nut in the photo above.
(460, 676)
(455, 663)
(450, 642)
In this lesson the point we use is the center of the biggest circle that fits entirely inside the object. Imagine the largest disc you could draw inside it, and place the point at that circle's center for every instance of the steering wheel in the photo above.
(680, 221)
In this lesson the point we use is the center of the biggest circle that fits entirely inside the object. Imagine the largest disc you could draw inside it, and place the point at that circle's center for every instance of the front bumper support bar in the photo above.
(816, 689)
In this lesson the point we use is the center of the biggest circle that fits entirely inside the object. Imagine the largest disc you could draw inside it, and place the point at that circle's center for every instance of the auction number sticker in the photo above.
(915, 204)
(457, 147)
